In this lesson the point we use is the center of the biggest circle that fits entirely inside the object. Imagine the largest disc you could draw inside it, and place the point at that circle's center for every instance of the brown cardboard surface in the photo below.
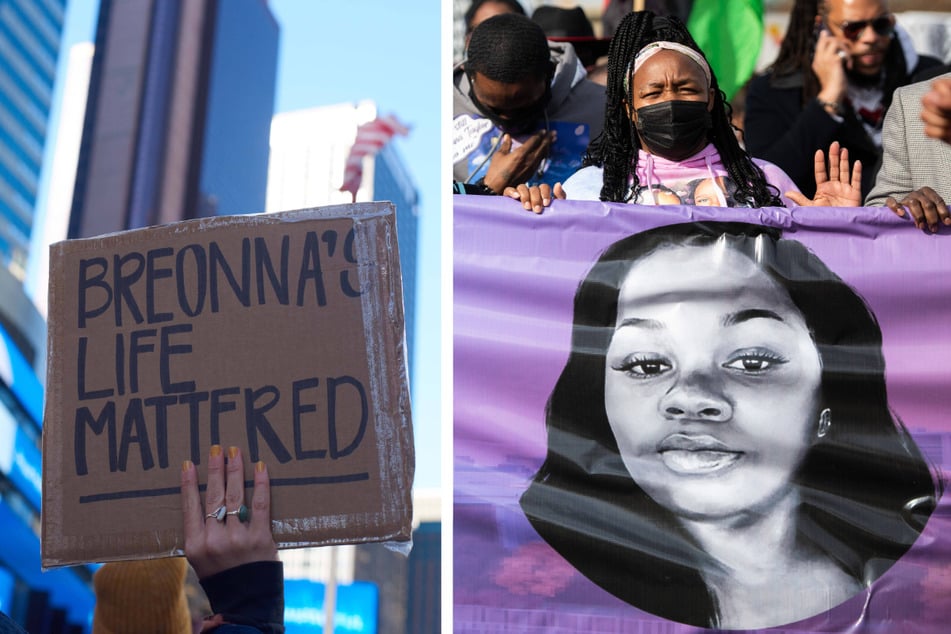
(281, 334)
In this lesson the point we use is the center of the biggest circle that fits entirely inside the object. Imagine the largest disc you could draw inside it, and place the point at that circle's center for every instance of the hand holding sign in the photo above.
(234, 555)
(214, 545)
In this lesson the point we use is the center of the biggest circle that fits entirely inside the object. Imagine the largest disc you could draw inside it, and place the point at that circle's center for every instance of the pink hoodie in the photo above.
(699, 180)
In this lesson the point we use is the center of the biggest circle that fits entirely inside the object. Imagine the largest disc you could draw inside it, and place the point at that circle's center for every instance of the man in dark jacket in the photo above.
(523, 110)
(833, 80)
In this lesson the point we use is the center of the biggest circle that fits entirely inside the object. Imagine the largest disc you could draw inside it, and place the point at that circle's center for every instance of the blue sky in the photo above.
(331, 52)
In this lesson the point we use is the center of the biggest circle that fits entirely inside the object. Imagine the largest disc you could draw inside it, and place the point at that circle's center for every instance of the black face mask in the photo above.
(518, 121)
(674, 129)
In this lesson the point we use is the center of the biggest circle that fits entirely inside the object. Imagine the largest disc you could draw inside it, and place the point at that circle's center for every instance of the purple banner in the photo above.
(761, 467)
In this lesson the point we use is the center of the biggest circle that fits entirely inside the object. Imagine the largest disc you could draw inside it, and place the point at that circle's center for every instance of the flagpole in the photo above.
(330, 593)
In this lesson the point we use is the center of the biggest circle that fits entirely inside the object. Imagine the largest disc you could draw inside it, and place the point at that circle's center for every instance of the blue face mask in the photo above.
(674, 130)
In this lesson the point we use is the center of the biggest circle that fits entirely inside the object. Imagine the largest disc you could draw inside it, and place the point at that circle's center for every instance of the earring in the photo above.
(825, 423)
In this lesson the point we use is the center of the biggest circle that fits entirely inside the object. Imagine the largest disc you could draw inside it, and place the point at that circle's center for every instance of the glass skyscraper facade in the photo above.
(29, 45)
(181, 96)
(238, 115)
(58, 601)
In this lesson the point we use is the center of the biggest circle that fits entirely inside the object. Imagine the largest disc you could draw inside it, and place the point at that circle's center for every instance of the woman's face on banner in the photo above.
(712, 382)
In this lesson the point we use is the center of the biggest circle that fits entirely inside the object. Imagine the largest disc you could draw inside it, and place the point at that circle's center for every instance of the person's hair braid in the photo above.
(752, 187)
(615, 149)
(798, 47)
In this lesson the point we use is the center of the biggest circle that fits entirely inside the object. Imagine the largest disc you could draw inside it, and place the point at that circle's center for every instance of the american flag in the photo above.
(371, 137)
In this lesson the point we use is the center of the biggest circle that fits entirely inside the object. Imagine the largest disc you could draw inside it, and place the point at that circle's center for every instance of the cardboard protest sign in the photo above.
(281, 334)
(630, 380)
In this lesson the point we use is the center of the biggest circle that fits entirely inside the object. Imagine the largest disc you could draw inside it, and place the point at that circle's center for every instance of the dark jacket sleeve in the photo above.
(780, 130)
(250, 595)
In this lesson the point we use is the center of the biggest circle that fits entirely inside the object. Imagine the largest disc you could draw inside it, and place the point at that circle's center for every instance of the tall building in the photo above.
(181, 95)
(309, 150)
(52, 218)
(61, 600)
(410, 586)
(29, 45)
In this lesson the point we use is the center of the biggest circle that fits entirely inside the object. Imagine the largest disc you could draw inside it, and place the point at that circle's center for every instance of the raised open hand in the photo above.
(837, 187)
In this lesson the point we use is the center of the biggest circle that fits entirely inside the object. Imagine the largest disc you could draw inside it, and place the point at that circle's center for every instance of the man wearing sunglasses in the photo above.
(833, 80)
(523, 110)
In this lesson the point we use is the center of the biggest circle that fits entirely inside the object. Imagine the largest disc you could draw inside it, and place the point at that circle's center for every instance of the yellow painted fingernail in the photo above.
(215, 451)
(187, 465)
(259, 466)
(232, 452)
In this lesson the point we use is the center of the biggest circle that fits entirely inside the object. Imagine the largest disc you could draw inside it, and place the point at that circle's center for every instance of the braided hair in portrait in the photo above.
(513, 5)
(615, 150)
(508, 48)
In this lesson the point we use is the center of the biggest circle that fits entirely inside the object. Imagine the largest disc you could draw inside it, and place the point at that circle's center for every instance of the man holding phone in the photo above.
(833, 80)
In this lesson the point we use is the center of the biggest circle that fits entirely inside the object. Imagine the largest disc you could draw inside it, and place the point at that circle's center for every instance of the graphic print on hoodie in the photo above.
(700, 180)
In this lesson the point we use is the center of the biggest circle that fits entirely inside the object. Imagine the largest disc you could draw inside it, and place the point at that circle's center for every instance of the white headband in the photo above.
(656, 47)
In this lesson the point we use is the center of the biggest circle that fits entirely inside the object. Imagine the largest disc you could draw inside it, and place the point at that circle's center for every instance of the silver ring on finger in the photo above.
(243, 513)
(218, 514)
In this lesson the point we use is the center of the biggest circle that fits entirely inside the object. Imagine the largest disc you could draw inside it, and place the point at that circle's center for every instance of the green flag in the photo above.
(730, 33)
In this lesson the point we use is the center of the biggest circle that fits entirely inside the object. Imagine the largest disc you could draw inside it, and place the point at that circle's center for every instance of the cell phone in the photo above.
(819, 28)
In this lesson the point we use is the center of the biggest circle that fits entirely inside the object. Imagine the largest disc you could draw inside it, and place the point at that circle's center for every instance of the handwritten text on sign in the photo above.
(179, 285)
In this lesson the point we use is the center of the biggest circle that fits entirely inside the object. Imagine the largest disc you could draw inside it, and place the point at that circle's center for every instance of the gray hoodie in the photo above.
(576, 112)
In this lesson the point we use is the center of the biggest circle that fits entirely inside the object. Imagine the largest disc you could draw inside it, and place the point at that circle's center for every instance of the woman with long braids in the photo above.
(667, 123)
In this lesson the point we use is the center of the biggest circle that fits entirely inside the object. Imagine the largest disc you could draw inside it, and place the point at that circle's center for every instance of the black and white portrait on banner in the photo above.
(720, 447)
